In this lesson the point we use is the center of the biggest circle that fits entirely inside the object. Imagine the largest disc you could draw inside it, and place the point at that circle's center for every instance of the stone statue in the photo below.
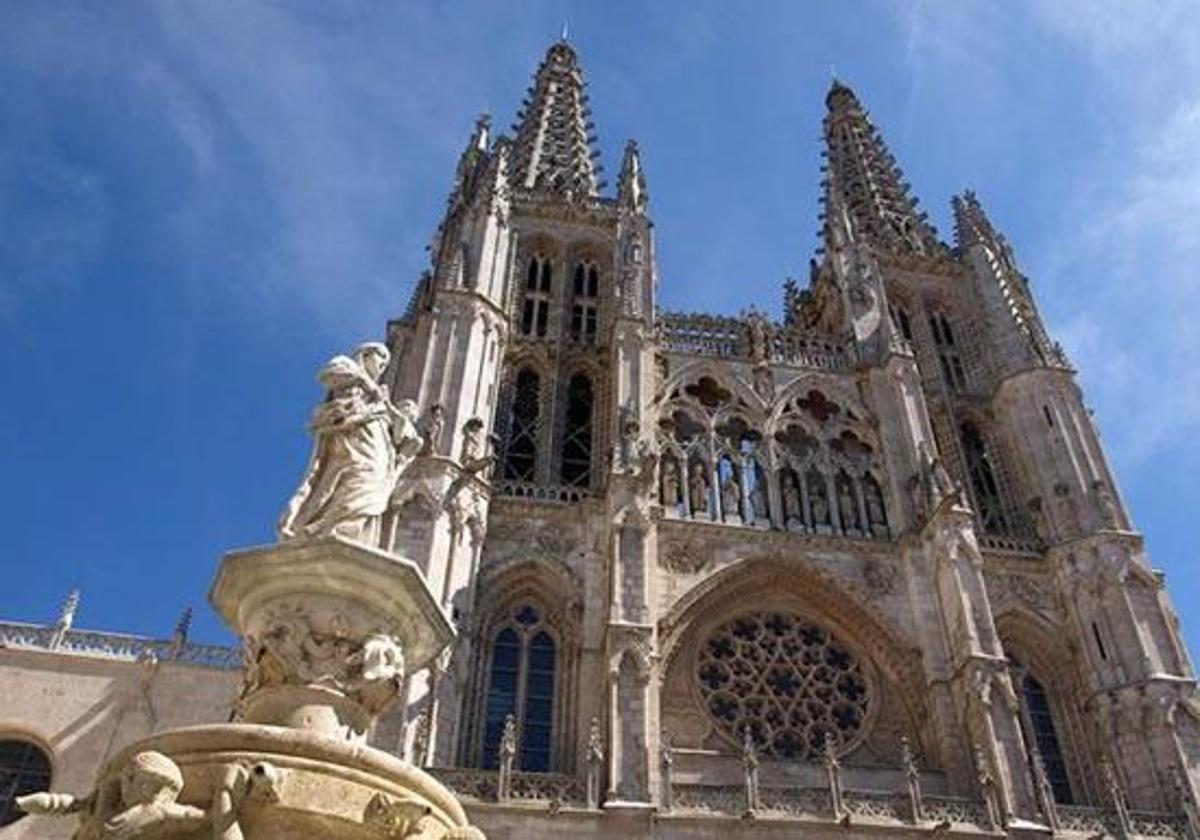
(697, 489)
(792, 509)
(595, 763)
(820, 506)
(149, 787)
(935, 480)
(731, 496)
(875, 511)
(846, 506)
(760, 337)
(758, 501)
(670, 482)
(629, 429)
(362, 444)
(432, 425)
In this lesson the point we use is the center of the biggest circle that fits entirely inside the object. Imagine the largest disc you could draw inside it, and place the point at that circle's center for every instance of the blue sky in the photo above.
(200, 202)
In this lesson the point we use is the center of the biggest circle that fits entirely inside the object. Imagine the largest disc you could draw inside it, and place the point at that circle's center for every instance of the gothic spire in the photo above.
(631, 190)
(973, 229)
(863, 177)
(555, 147)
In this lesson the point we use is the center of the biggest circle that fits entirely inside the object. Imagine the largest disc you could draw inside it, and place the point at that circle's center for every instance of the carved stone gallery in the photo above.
(565, 564)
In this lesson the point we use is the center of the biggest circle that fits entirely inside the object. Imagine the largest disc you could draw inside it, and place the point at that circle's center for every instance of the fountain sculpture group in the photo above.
(329, 623)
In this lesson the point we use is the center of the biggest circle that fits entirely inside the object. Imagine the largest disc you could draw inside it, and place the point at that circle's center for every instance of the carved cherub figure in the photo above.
(149, 787)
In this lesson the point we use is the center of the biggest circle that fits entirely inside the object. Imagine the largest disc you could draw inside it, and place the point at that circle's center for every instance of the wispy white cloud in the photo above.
(1108, 235)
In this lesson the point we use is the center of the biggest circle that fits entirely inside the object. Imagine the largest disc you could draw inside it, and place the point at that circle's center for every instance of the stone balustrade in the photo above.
(120, 646)
(730, 338)
(875, 807)
(563, 493)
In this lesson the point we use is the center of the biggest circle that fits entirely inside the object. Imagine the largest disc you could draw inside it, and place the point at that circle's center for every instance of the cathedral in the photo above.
(862, 570)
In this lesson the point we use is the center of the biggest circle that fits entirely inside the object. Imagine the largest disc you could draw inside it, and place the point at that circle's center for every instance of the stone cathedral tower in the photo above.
(881, 533)
(864, 566)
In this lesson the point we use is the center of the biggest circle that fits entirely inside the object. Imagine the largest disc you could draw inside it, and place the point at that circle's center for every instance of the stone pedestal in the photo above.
(330, 627)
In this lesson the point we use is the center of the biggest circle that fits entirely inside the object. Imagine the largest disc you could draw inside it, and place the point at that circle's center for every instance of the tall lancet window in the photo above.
(521, 683)
(1045, 736)
(576, 469)
(983, 480)
(520, 456)
(949, 354)
(536, 312)
(586, 290)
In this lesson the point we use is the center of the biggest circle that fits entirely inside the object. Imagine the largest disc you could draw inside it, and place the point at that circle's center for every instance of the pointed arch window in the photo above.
(948, 352)
(576, 468)
(536, 312)
(1045, 736)
(584, 301)
(983, 480)
(520, 456)
(521, 683)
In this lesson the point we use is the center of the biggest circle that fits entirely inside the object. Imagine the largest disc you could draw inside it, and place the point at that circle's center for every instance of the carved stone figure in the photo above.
(149, 787)
(760, 337)
(670, 483)
(847, 507)
(595, 763)
(750, 769)
(698, 488)
(362, 444)
(731, 496)
(935, 480)
(299, 649)
(758, 502)
(820, 507)
(874, 499)
(432, 425)
(792, 509)
(629, 429)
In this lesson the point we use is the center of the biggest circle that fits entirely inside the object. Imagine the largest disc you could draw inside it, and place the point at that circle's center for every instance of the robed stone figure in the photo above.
(361, 445)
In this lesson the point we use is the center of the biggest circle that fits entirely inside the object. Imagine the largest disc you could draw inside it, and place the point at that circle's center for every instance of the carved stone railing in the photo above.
(705, 335)
(730, 338)
(561, 493)
(481, 786)
(120, 646)
(815, 803)
(713, 799)
(1150, 824)
(955, 811)
(1002, 542)
(1082, 819)
(878, 806)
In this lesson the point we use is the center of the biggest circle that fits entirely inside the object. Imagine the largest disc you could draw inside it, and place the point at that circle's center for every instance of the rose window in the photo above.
(787, 680)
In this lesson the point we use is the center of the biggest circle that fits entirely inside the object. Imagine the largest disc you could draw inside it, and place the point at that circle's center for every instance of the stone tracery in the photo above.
(809, 465)
(789, 682)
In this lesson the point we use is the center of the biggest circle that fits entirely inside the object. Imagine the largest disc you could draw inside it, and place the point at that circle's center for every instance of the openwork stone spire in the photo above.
(555, 147)
(972, 228)
(865, 177)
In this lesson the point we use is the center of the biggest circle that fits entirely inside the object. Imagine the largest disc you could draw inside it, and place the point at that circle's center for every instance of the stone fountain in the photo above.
(329, 622)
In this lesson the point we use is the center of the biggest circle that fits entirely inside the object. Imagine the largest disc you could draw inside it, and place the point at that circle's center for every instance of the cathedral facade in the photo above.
(865, 568)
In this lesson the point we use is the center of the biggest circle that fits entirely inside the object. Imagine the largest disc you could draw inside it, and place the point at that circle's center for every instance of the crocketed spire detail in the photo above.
(555, 148)
(973, 228)
(868, 183)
